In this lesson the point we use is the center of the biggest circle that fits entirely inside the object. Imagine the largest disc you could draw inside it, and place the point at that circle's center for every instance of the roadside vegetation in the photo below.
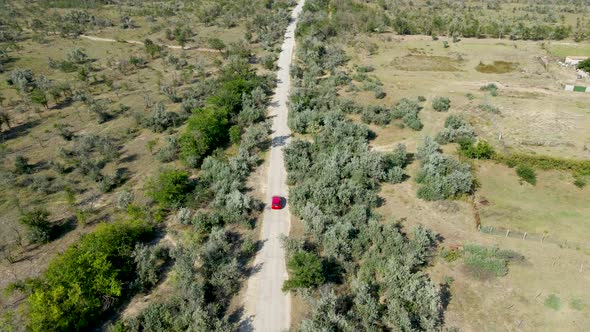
(124, 164)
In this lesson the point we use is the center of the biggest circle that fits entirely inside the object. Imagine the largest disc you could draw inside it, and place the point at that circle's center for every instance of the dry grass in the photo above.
(536, 117)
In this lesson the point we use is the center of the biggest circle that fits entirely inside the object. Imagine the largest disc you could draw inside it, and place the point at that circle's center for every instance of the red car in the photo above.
(276, 203)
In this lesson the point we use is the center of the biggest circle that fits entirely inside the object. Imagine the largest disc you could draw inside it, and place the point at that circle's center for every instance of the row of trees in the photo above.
(335, 180)
(448, 18)
(209, 265)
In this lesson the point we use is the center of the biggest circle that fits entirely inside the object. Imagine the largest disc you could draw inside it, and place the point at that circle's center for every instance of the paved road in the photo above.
(267, 308)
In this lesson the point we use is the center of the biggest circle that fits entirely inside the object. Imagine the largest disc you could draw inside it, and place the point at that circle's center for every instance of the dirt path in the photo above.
(267, 307)
(175, 47)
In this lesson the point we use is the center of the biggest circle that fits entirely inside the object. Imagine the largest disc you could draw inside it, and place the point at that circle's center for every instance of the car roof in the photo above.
(276, 199)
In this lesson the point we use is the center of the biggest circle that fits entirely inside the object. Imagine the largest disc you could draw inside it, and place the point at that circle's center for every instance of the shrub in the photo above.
(456, 129)
(485, 263)
(169, 188)
(407, 110)
(441, 176)
(305, 271)
(216, 44)
(450, 254)
(526, 173)
(168, 152)
(124, 199)
(235, 133)
(441, 104)
(481, 150)
(93, 271)
(37, 224)
(77, 55)
(22, 166)
(491, 88)
(584, 65)
(160, 119)
(148, 260)
(489, 108)
(64, 131)
(553, 301)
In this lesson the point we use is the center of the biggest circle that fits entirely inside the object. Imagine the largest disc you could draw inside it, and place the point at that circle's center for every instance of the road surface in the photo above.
(267, 308)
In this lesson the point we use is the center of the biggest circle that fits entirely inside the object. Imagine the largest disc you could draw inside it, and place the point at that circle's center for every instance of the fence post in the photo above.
(524, 236)
(507, 232)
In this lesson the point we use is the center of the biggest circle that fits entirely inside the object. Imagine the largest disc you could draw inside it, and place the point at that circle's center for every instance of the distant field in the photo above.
(563, 49)
(536, 116)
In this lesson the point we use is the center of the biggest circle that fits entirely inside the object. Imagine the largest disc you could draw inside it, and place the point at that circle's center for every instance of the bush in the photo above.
(22, 166)
(456, 130)
(441, 104)
(526, 173)
(81, 284)
(124, 199)
(37, 224)
(441, 176)
(305, 271)
(168, 152)
(481, 150)
(216, 44)
(553, 301)
(491, 88)
(584, 65)
(485, 263)
(148, 260)
(489, 108)
(169, 188)
(407, 110)
(160, 119)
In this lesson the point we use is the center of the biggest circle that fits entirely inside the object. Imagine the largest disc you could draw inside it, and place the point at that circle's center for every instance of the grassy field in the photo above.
(536, 117)
(554, 206)
(563, 49)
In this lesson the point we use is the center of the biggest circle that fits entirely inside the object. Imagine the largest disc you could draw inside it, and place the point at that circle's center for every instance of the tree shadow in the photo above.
(17, 131)
(129, 158)
(63, 104)
(279, 141)
(445, 299)
(244, 323)
(332, 270)
(62, 227)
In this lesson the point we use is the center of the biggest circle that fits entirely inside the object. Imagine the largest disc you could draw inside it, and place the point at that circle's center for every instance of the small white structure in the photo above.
(574, 60)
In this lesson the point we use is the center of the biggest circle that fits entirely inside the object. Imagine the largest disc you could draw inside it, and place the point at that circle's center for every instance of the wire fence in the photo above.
(542, 238)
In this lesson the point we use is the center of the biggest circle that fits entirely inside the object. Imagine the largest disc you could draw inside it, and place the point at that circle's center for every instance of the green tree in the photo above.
(584, 65)
(39, 97)
(87, 279)
(206, 130)
(151, 48)
(305, 271)
(38, 225)
(169, 188)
